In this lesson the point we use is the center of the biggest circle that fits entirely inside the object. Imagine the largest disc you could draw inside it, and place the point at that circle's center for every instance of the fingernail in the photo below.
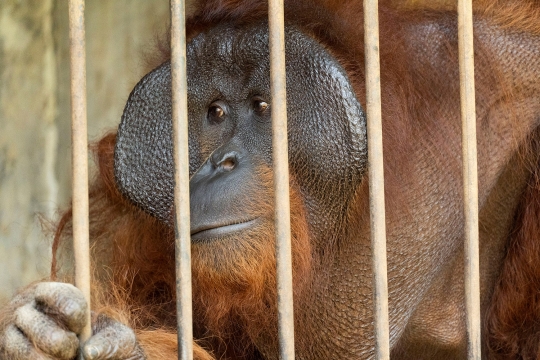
(91, 352)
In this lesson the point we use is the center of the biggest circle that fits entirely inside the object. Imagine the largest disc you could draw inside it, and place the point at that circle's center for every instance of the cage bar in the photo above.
(376, 178)
(181, 180)
(281, 179)
(79, 155)
(470, 177)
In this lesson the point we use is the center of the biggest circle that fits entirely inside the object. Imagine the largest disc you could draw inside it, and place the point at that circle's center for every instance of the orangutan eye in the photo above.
(216, 113)
(260, 105)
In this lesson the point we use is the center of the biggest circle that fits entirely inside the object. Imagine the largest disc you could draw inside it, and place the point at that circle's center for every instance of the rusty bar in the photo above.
(376, 178)
(79, 155)
(281, 179)
(470, 177)
(181, 180)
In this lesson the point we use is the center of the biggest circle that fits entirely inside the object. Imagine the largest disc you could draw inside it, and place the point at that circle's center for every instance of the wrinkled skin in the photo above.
(44, 320)
(230, 153)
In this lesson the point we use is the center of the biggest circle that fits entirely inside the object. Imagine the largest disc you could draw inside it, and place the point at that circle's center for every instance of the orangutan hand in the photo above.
(43, 322)
(112, 340)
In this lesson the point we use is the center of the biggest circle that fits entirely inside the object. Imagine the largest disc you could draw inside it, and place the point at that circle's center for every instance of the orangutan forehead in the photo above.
(244, 52)
(230, 47)
(226, 61)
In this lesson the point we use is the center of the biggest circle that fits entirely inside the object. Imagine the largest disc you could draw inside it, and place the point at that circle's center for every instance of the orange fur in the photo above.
(513, 327)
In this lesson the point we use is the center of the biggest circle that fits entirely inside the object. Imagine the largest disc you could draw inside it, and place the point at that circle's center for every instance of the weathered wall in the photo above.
(35, 110)
(28, 138)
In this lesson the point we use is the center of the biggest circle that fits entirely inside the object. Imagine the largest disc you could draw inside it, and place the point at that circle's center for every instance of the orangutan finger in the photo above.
(15, 346)
(45, 334)
(64, 302)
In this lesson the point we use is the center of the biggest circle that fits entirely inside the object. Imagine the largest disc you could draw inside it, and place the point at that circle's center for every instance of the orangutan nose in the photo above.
(225, 160)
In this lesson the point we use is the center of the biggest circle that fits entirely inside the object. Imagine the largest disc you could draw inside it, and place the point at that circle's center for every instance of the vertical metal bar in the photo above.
(181, 180)
(281, 178)
(79, 155)
(376, 178)
(470, 176)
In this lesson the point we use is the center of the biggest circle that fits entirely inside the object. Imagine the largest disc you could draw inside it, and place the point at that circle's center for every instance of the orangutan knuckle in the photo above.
(65, 301)
(126, 334)
(62, 295)
(24, 316)
(43, 332)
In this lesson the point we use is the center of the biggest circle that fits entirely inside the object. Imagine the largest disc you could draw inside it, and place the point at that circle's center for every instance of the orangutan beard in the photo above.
(235, 285)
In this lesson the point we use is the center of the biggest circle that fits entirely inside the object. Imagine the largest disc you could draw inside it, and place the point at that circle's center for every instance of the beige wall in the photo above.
(35, 111)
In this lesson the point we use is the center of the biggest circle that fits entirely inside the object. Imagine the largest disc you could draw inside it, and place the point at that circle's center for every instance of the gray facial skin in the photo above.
(327, 134)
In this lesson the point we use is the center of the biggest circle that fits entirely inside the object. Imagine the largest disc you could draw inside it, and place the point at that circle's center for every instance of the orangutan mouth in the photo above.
(214, 230)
